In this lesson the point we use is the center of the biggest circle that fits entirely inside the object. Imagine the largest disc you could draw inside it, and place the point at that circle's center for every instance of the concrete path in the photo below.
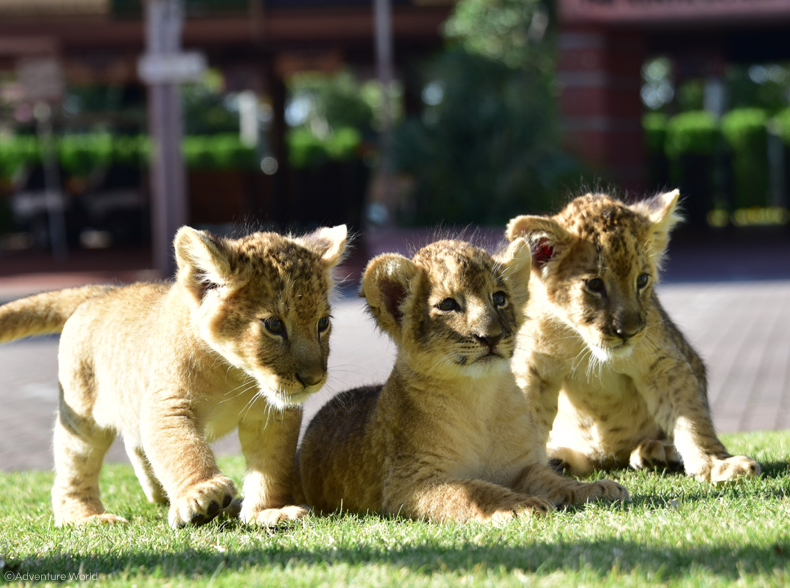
(736, 313)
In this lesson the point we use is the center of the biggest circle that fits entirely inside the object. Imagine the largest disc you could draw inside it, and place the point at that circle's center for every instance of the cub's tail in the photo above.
(43, 313)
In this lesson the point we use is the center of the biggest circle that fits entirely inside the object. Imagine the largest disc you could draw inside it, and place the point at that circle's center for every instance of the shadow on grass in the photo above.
(601, 557)
(775, 469)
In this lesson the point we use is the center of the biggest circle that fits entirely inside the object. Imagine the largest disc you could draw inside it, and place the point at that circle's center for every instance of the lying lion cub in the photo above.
(449, 435)
(602, 356)
(239, 340)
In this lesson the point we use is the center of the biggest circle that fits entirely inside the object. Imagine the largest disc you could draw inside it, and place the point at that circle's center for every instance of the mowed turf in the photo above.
(675, 532)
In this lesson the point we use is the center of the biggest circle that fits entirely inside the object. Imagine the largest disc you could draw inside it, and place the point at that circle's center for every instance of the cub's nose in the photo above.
(628, 327)
(308, 377)
(490, 341)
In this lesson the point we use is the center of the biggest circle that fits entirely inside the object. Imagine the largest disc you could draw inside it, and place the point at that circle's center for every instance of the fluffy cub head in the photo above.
(262, 303)
(453, 310)
(597, 261)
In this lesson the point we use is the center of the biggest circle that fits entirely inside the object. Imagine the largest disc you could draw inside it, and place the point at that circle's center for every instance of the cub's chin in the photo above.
(486, 366)
(281, 399)
(607, 353)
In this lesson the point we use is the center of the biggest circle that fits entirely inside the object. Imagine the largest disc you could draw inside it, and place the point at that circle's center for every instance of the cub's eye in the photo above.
(595, 285)
(642, 281)
(500, 299)
(448, 304)
(274, 325)
(323, 324)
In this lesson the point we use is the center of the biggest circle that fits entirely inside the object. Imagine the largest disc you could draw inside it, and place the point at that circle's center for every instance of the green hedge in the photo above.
(79, 154)
(742, 133)
(307, 150)
(782, 125)
(17, 151)
(655, 127)
(691, 133)
(218, 152)
(745, 132)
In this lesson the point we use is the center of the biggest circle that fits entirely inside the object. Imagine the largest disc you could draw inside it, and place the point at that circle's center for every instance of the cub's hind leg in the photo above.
(145, 474)
(79, 447)
(542, 480)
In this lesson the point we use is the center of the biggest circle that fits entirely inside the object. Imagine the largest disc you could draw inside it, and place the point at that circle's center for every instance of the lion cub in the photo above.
(602, 356)
(449, 435)
(240, 339)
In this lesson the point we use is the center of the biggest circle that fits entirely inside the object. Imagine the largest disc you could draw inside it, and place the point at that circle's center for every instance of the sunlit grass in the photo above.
(675, 532)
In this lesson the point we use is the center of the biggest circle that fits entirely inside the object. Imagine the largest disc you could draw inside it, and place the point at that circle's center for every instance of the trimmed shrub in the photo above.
(79, 154)
(745, 132)
(782, 122)
(307, 150)
(17, 151)
(655, 126)
(691, 133)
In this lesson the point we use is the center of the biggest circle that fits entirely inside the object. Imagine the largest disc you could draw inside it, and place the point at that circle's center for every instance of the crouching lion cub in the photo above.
(602, 355)
(240, 339)
(449, 435)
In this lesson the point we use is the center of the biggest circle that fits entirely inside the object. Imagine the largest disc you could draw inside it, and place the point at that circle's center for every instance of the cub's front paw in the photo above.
(531, 506)
(202, 502)
(604, 489)
(655, 455)
(272, 517)
(733, 468)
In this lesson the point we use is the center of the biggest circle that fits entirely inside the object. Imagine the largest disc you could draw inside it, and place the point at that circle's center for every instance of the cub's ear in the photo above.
(662, 214)
(328, 243)
(515, 263)
(203, 261)
(386, 286)
(548, 241)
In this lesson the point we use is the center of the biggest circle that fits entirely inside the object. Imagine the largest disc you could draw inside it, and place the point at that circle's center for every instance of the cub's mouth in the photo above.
(281, 399)
(281, 395)
(490, 356)
(604, 351)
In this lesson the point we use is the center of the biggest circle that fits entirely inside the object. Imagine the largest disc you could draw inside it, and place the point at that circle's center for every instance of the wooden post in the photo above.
(385, 69)
(169, 209)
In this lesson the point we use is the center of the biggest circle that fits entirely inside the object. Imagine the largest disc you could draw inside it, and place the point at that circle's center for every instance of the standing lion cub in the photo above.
(240, 339)
(602, 356)
(449, 435)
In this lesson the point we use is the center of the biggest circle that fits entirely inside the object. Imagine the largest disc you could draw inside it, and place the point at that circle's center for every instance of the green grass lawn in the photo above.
(675, 532)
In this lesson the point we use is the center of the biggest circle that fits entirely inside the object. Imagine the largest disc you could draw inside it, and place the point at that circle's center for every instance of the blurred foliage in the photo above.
(782, 125)
(486, 145)
(80, 154)
(762, 86)
(655, 127)
(741, 136)
(765, 86)
(16, 151)
(691, 95)
(507, 31)
(206, 107)
(329, 116)
(305, 149)
(746, 135)
(221, 151)
(691, 133)
(336, 100)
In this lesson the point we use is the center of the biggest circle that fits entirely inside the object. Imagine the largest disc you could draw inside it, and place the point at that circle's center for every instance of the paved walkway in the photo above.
(731, 299)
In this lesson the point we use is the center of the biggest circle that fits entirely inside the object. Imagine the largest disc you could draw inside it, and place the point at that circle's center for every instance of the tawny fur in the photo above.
(172, 367)
(449, 435)
(601, 362)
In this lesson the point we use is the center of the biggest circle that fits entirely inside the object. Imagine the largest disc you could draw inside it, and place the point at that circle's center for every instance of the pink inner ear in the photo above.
(542, 252)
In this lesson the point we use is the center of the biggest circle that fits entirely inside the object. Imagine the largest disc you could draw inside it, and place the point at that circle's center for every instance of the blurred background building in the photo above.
(491, 108)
